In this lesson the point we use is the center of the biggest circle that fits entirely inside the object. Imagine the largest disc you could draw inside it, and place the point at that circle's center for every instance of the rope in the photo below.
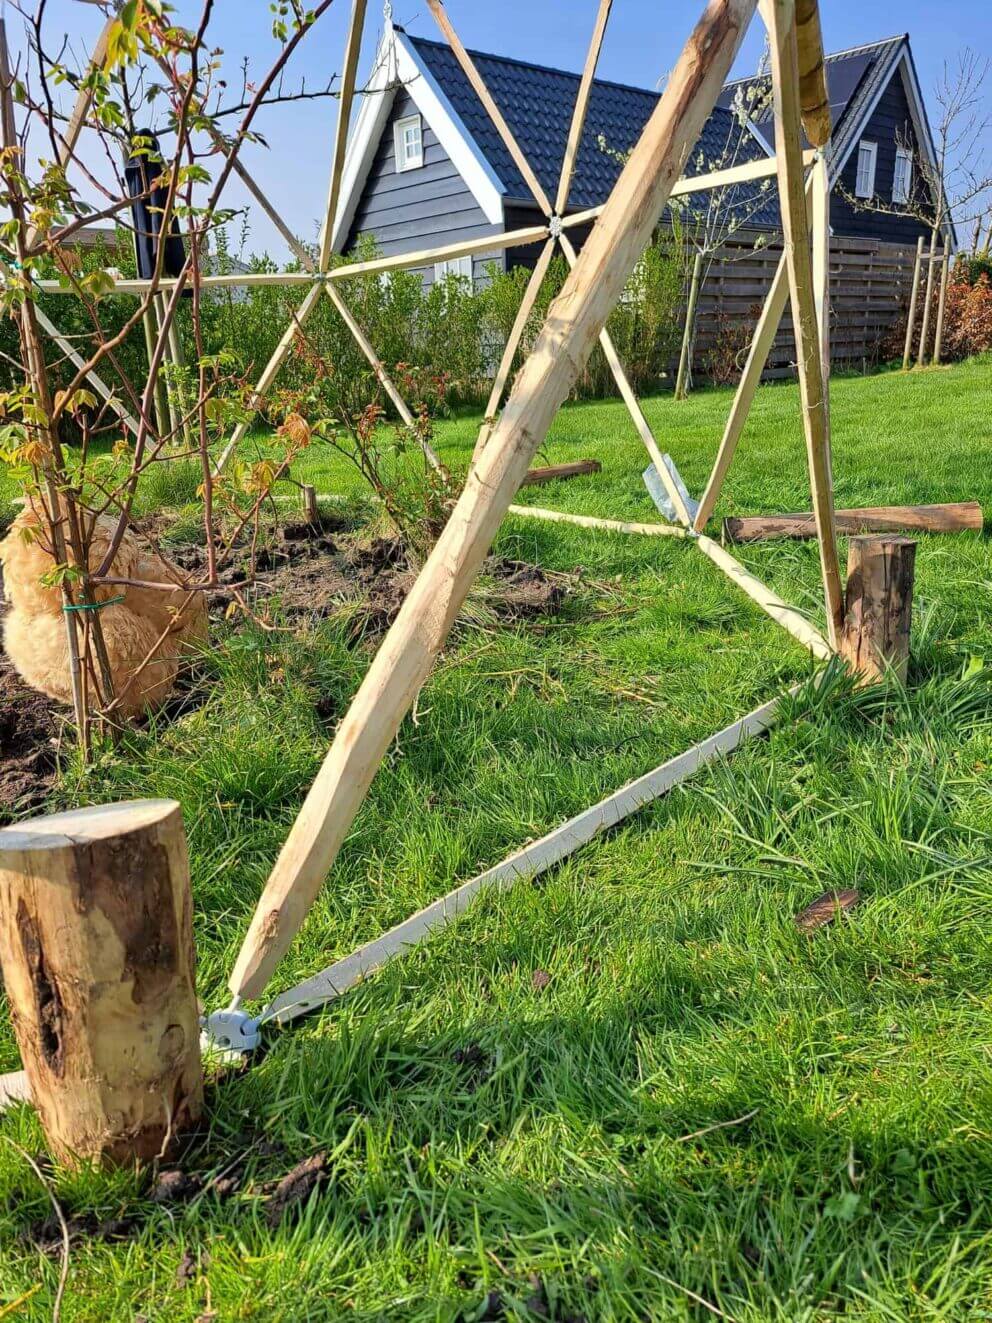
(93, 606)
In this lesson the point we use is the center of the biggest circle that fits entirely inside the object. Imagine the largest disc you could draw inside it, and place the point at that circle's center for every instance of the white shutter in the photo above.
(867, 155)
(902, 180)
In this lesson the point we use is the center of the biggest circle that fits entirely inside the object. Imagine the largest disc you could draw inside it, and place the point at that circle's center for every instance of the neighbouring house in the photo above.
(426, 167)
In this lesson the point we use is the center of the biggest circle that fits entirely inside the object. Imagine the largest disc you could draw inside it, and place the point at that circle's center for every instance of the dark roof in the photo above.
(537, 104)
(853, 77)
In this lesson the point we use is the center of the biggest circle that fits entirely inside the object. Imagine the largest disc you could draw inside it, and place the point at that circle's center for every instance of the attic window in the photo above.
(902, 180)
(867, 156)
(408, 143)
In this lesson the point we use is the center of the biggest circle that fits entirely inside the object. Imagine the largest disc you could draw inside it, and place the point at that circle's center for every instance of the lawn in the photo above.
(694, 1110)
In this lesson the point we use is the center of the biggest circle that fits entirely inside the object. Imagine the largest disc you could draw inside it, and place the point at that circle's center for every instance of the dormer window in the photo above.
(408, 143)
(864, 186)
(902, 180)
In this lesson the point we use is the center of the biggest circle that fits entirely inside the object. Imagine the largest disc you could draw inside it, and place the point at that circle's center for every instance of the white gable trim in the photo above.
(397, 64)
(854, 133)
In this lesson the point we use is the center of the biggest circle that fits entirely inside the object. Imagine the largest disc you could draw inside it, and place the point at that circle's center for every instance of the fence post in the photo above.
(938, 338)
(96, 944)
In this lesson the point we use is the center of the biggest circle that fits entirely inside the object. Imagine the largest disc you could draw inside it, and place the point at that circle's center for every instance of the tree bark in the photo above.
(875, 639)
(96, 945)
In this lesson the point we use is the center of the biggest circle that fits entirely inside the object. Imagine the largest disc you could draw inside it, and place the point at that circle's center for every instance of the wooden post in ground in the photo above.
(907, 352)
(309, 495)
(96, 946)
(938, 336)
(685, 367)
(921, 350)
(877, 621)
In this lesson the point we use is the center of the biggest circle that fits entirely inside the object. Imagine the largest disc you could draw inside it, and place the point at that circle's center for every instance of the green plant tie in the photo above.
(92, 606)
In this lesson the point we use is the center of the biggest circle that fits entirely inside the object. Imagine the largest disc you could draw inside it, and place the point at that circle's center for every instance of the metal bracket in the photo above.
(232, 1030)
(554, 227)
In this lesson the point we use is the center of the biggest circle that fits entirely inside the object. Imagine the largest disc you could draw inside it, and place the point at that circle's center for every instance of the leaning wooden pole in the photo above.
(573, 324)
(781, 17)
(96, 944)
(907, 352)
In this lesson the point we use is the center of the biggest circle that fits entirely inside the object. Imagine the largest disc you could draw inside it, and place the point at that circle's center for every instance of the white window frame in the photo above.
(454, 266)
(864, 184)
(904, 157)
(403, 160)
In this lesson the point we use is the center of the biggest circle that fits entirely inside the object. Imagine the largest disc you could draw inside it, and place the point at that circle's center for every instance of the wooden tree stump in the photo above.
(879, 606)
(96, 946)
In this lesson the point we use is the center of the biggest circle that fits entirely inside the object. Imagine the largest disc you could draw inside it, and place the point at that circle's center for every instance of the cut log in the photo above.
(956, 517)
(879, 609)
(555, 472)
(96, 945)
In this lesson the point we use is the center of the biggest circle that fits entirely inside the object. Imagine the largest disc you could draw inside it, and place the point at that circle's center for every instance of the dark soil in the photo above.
(301, 570)
(30, 725)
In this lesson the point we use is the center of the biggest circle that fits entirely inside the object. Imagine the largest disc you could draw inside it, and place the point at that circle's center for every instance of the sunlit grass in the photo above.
(483, 1131)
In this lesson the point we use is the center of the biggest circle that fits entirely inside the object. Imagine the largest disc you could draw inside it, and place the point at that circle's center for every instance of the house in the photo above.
(425, 166)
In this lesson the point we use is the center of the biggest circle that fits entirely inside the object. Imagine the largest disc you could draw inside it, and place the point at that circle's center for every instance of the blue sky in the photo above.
(642, 42)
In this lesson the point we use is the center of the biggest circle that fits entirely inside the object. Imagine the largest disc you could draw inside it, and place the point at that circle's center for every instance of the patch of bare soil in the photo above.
(301, 570)
(29, 730)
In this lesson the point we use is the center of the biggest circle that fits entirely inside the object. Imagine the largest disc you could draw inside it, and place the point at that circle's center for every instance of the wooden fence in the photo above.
(870, 283)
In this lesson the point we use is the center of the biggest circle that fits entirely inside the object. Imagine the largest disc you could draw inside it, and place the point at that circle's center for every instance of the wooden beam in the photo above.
(581, 106)
(634, 406)
(747, 387)
(168, 283)
(795, 226)
(385, 381)
(813, 98)
(427, 256)
(788, 617)
(489, 105)
(352, 50)
(556, 472)
(94, 378)
(763, 168)
(907, 352)
(407, 654)
(958, 517)
(533, 288)
(270, 372)
(527, 863)
(818, 199)
(590, 521)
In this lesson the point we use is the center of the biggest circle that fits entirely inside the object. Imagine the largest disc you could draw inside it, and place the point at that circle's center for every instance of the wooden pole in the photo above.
(914, 295)
(682, 378)
(795, 226)
(938, 339)
(489, 105)
(877, 623)
(591, 521)
(408, 652)
(956, 517)
(352, 49)
(310, 511)
(513, 341)
(747, 387)
(819, 204)
(581, 106)
(96, 944)
(634, 405)
(921, 352)
(813, 98)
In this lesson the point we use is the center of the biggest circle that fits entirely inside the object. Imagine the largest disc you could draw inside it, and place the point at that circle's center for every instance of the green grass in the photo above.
(482, 1132)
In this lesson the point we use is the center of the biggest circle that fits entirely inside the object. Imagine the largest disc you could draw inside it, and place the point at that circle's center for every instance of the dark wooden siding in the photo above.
(890, 125)
(421, 208)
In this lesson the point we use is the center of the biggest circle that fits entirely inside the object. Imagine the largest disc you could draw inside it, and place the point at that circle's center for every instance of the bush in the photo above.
(968, 318)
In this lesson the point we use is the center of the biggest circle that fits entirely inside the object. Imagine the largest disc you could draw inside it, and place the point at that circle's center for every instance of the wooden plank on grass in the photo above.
(526, 863)
(953, 517)
(555, 472)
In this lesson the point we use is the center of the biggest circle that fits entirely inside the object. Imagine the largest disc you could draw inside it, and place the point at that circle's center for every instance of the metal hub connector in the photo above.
(554, 227)
(231, 1030)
